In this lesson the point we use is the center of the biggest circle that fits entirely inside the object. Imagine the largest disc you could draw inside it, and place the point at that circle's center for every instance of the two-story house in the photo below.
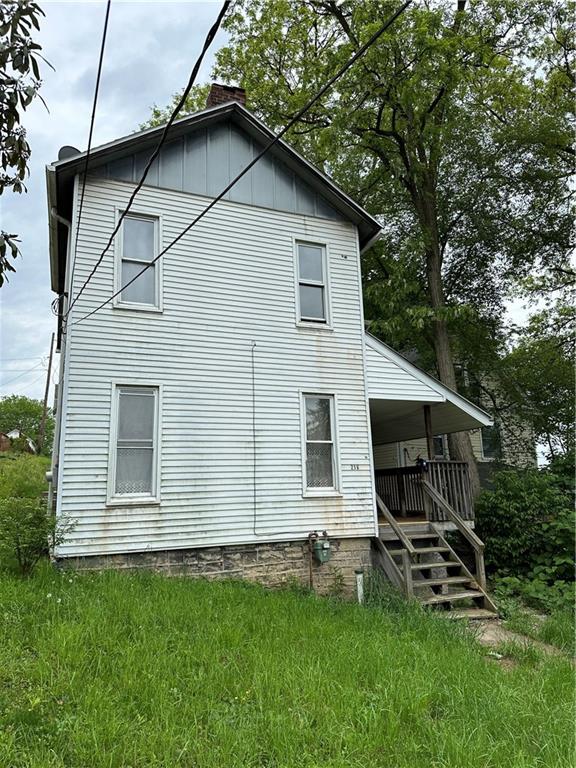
(223, 407)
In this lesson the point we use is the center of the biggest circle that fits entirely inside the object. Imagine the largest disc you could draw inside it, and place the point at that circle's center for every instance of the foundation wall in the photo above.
(271, 564)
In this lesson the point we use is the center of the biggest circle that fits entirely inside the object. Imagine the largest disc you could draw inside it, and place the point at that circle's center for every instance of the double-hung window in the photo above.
(312, 284)
(139, 245)
(491, 442)
(135, 443)
(321, 471)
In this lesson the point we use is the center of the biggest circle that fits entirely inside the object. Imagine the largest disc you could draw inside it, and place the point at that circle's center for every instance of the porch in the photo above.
(403, 492)
(417, 504)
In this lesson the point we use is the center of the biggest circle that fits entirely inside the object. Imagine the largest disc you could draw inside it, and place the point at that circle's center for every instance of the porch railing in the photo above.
(402, 492)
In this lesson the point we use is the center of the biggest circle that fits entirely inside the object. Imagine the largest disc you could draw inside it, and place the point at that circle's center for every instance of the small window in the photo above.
(136, 441)
(440, 447)
(312, 283)
(139, 238)
(320, 455)
(491, 444)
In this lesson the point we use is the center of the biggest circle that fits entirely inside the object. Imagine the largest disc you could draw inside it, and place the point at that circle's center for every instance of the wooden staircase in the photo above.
(420, 562)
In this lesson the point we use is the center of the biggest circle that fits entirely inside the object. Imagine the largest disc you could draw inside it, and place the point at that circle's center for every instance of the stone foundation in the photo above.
(272, 564)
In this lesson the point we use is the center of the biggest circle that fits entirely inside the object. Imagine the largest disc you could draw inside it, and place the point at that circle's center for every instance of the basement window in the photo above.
(312, 284)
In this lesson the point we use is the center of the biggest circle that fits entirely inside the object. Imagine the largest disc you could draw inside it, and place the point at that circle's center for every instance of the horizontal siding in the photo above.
(386, 456)
(227, 284)
(387, 380)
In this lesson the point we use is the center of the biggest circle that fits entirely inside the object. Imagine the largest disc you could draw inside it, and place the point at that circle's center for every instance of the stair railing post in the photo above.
(406, 567)
(480, 569)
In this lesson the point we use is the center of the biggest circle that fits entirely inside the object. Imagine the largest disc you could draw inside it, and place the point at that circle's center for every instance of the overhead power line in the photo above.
(28, 370)
(207, 42)
(253, 162)
(90, 132)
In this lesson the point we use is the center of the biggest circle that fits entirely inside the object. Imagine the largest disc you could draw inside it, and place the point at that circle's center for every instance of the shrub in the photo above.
(26, 527)
(527, 522)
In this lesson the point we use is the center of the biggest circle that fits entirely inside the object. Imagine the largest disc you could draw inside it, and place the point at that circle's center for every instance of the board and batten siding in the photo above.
(228, 284)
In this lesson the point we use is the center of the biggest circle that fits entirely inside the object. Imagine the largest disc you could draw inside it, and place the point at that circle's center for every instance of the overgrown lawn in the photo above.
(115, 669)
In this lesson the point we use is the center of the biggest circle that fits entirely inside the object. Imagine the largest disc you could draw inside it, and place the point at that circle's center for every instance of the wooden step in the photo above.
(472, 614)
(423, 551)
(421, 535)
(429, 566)
(451, 596)
(431, 550)
(441, 582)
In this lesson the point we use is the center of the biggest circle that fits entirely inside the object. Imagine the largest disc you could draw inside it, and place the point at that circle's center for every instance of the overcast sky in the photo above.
(150, 50)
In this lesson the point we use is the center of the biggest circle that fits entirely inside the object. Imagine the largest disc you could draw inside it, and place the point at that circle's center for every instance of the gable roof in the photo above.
(60, 174)
(391, 377)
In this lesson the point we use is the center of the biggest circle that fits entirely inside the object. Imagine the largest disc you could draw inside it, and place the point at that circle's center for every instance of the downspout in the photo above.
(53, 474)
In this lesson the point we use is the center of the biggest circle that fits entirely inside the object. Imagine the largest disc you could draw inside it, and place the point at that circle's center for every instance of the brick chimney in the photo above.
(220, 94)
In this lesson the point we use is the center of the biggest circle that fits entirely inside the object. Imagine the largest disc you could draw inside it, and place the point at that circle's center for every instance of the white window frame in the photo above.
(317, 325)
(134, 499)
(119, 303)
(335, 489)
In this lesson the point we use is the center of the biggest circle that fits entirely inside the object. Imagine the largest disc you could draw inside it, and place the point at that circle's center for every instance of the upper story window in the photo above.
(138, 246)
(312, 284)
(491, 442)
(321, 471)
(135, 443)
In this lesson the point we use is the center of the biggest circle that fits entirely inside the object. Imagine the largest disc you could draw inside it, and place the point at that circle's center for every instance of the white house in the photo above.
(224, 406)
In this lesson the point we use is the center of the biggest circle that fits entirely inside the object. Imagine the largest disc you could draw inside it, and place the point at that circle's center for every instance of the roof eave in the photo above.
(449, 394)
(369, 232)
(52, 228)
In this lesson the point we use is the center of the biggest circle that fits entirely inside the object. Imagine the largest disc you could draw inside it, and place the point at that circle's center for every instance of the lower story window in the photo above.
(320, 446)
(136, 441)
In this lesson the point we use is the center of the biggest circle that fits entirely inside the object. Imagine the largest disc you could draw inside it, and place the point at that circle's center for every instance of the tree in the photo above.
(538, 378)
(25, 414)
(439, 130)
(19, 86)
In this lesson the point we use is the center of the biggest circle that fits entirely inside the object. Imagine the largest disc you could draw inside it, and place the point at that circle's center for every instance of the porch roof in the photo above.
(398, 390)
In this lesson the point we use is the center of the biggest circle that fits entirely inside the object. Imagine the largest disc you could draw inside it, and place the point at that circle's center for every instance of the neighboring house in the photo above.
(503, 443)
(220, 413)
(7, 438)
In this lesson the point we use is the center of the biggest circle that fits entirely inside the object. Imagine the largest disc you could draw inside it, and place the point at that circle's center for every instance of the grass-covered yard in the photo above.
(120, 670)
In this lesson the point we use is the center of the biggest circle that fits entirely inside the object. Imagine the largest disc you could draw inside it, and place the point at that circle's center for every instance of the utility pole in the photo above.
(42, 429)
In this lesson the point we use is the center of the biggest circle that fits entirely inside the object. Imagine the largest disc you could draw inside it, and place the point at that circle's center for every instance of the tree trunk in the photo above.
(459, 442)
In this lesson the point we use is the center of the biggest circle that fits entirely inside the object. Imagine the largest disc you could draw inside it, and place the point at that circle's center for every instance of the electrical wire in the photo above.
(32, 357)
(253, 162)
(207, 43)
(28, 370)
(26, 386)
(90, 133)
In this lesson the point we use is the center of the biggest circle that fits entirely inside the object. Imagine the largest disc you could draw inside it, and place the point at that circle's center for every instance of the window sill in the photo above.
(322, 327)
(322, 495)
(138, 308)
(143, 501)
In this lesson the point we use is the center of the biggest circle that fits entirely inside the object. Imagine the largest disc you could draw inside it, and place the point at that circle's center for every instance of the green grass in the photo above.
(100, 671)
(557, 628)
